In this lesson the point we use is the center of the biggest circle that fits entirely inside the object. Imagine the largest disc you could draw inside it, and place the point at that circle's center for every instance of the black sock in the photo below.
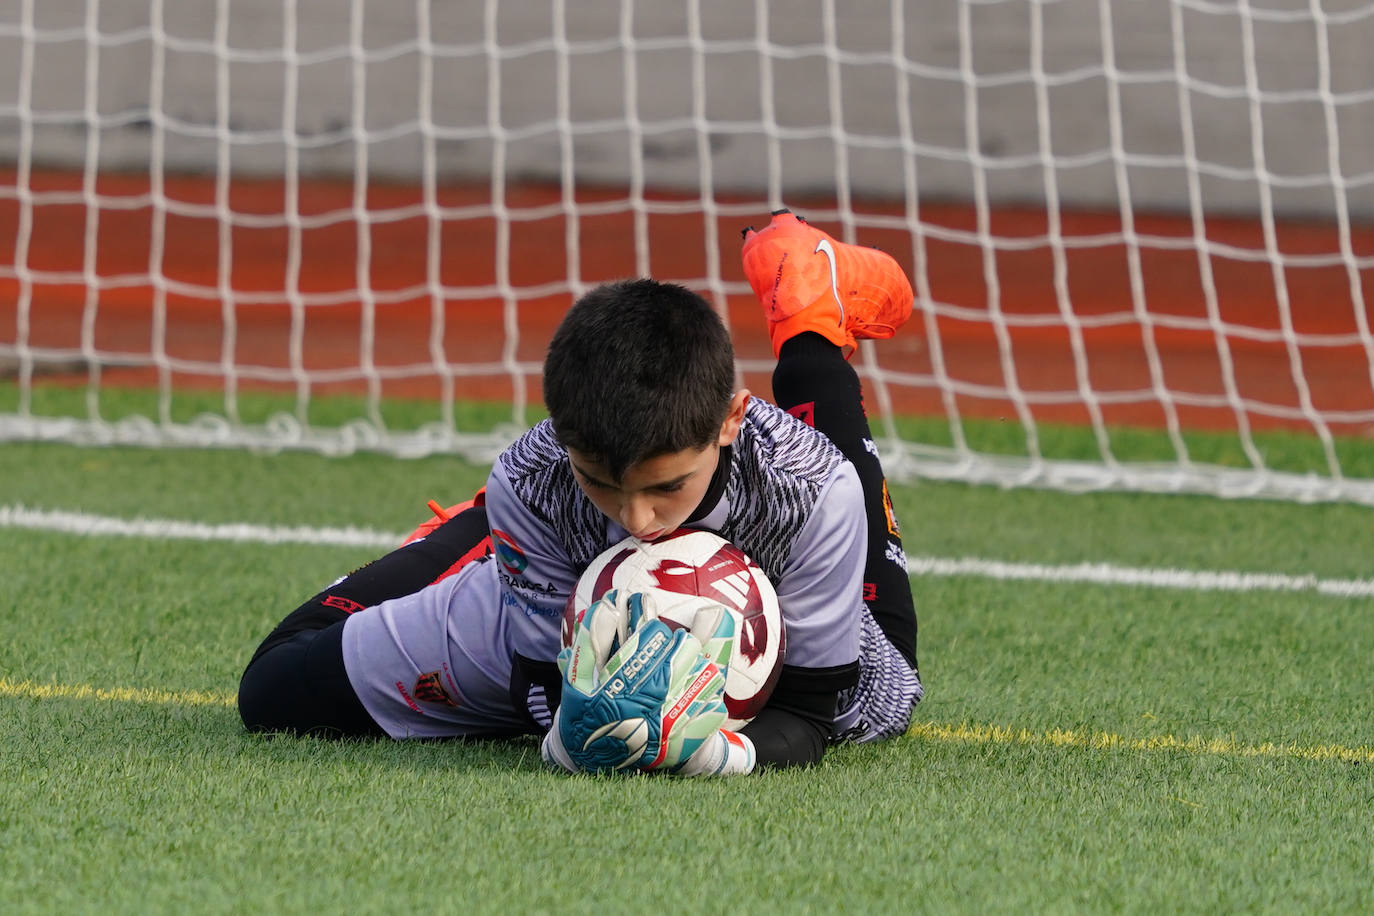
(815, 383)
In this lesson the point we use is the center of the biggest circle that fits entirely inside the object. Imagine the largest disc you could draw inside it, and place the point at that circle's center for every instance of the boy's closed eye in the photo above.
(667, 486)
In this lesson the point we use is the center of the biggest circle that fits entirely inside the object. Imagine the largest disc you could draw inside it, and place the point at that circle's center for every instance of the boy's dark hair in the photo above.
(638, 369)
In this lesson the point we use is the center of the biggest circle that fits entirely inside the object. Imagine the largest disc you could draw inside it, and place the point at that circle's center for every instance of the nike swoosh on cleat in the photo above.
(825, 248)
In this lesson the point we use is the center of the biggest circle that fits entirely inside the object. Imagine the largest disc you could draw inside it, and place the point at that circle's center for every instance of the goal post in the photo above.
(1141, 234)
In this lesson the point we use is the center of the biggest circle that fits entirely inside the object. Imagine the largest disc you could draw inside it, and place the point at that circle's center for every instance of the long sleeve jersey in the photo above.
(784, 495)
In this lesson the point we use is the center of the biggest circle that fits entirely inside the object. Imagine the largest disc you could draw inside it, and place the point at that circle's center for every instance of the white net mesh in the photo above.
(1139, 232)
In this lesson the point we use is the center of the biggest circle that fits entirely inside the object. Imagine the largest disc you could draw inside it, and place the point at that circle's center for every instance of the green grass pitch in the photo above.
(1085, 746)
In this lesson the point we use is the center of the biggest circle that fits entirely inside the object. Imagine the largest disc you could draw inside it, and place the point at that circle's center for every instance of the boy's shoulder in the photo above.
(535, 452)
(785, 442)
(781, 470)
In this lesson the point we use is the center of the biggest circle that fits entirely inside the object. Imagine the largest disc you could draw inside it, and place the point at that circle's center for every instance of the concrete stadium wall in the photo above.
(519, 87)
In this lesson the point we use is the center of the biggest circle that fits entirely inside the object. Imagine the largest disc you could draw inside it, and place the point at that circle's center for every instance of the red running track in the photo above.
(1097, 280)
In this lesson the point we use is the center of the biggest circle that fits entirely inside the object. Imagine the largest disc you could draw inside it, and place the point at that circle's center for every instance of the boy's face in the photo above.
(655, 496)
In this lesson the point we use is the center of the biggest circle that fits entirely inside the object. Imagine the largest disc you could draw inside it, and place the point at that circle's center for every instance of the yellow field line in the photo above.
(31, 691)
(1223, 747)
(927, 731)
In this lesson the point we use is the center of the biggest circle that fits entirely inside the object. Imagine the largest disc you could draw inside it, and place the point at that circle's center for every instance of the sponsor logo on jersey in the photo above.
(429, 688)
(870, 592)
(528, 608)
(339, 602)
(508, 553)
(521, 584)
(896, 554)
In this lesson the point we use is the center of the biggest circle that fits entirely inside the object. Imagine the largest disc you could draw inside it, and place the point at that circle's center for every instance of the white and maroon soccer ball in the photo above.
(682, 570)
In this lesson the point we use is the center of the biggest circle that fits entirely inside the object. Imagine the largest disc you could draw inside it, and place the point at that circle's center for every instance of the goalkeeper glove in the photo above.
(723, 754)
(553, 752)
(635, 692)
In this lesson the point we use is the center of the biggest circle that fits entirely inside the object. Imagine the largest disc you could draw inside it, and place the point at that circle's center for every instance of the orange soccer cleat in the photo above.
(442, 515)
(807, 281)
(480, 545)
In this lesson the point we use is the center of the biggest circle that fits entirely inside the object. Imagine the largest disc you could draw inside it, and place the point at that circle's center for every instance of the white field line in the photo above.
(1109, 574)
(15, 516)
(168, 529)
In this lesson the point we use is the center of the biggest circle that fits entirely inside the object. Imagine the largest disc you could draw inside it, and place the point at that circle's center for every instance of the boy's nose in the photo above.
(636, 515)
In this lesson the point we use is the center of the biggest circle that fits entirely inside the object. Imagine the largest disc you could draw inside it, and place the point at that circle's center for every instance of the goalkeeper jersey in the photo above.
(783, 494)
(790, 501)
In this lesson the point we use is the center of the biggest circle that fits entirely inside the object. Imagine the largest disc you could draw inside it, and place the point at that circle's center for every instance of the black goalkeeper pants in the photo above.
(296, 681)
(300, 686)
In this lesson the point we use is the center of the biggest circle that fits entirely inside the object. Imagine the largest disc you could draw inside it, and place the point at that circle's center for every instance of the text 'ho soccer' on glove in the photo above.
(637, 694)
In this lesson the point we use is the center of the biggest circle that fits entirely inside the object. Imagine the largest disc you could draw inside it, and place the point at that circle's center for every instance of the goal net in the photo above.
(1140, 234)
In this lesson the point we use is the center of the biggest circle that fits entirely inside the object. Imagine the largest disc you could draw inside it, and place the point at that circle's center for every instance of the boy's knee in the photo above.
(275, 688)
(259, 695)
(301, 687)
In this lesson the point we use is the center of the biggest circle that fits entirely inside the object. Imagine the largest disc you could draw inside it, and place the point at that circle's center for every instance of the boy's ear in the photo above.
(730, 428)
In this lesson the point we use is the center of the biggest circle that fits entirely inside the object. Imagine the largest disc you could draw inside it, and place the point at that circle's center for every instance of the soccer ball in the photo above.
(683, 570)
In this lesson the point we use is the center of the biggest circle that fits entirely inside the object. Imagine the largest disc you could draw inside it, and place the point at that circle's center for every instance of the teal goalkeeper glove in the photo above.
(636, 693)
(723, 754)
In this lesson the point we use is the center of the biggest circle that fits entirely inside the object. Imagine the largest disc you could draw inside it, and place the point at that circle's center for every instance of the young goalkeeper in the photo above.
(647, 434)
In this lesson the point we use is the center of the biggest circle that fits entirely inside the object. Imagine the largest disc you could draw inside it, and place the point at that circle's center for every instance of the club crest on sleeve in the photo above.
(508, 553)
